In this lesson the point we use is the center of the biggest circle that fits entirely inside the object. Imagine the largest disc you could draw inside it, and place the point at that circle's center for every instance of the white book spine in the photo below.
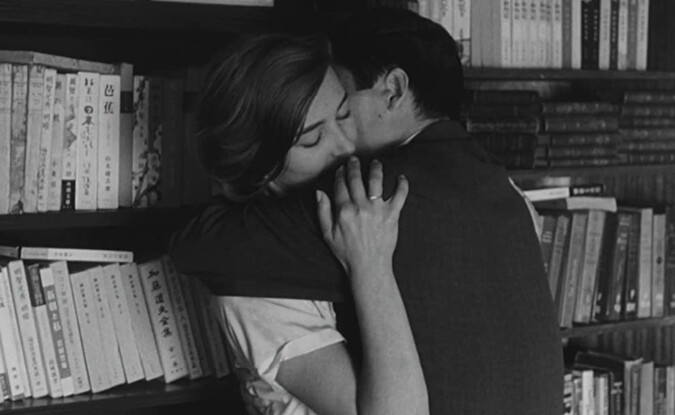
(670, 387)
(642, 34)
(140, 140)
(46, 138)
(195, 322)
(11, 346)
(605, 28)
(462, 28)
(206, 302)
(576, 34)
(645, 264)
(119, 309)
(87, 141)
(506, 54)
(556, 34)
(111, 351)
(424, 8)
(23, 369)
(658, 265)
(33, 137)
(163, 318)
(49, 289)
(533, 46)
(70, 127)
(544, 33)
(446, 16)
(56, 159)
(5, 393)
(126, 131)
(18, 138)
(44, 331)
(516, 34)
(109, 142)
(75, 254)
(5, 134)
(622, 43)
(28, 329)
(140, 321)
(83, 294)
(71, 327)
(183, 320)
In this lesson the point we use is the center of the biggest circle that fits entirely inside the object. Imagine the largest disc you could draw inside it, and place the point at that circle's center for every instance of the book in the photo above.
(5, 134)
(579, 107)
(108, 142)
(141, 137)
(86, 179)
(33, 137)
(606, 203)
(70, 134)
(558, 255)
(580, 123)
(56, 159)
(126, 133)
(10, 343)
(83, 294)
(27, 328)
(205, 301)
(646, 388)
(61, 63)
(644, 266)
(56, 327)
(45, 338)
(185, 328)
(658, 262)
(120, 311)
(110, 348)
(163, 319)
(18, 137)
(140, 321)
(670, 262)
(196, 323)
(152, 178)
(562, 192)
(632, 279)
(172, 124)
(610, 291)
(66, 254)
(572, 267)
(71, 327)
(590, 266)
(44, 157)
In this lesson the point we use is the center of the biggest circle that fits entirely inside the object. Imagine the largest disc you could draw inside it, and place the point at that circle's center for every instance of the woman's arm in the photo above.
(362, 233)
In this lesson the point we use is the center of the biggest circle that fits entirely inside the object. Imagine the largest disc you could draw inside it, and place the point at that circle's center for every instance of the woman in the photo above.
(272, 117)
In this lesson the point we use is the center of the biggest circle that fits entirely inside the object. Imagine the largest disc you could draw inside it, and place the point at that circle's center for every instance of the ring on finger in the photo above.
(374, 197)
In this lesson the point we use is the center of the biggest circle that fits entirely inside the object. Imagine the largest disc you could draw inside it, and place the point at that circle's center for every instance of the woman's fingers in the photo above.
(398, 199)
(340, 192)
(325, 213)
(375, 180)
(356, 189)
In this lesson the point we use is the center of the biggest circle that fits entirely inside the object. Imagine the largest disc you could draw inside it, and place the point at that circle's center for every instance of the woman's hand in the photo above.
(361, 229)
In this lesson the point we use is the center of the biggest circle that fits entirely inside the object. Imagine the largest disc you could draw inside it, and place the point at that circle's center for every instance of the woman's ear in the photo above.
(396, 84)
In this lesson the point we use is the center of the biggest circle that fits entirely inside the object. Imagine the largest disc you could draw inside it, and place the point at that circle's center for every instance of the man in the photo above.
(467, 262)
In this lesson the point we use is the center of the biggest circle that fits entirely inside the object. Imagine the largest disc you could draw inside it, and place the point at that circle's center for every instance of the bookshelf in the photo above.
(621, 326)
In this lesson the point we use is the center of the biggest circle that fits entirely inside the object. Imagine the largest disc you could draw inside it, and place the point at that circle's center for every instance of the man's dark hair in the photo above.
(372, 42)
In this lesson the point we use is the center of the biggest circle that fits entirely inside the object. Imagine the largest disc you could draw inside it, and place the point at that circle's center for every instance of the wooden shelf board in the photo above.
(94, 219)
(593, 330)
(515, 74)
(138, 395)
(524, 175)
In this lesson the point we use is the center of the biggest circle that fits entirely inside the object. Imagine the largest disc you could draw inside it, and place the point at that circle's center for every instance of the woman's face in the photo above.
(327, 136)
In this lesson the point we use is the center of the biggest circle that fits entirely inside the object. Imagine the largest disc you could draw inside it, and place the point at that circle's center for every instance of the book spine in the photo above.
(642, 35)
(581, 139)
(545, 25)
(119, 308)
(163, 318)
(605, 29)
(618, 270)
(658, 264)
(576, 34)
(504, 15)
(126, 133)
(602, 294)
(108, 142)
(56, 326)
(590, 33)
(83, 294)
(33, 137)
(185, 329)
(140, 321)
(567, 34)
(622, 42)
(70, 129)
(517, 45)
(446, 18)
(155, 150)
(9, 341)
(614, 35)
(505, 125)
(171, 168)
(533, 46)
(28, 329)
(591, 259)
(646, 122)
(140, 141)
(195, 322)
(586, 151)
(580, 124)
(87, 141)
(18, 138)
(75, 254)
(71, 327)
(641, 110)
(546, 241)
(47, 123)
(645, 264)
(44, 331)
(56, 157)
(556, 35)
(5, 134)
(631, 48)
(632, 270)
(111, 352)
(648, 97)
(578, 108)
(670, 383)
(463, 29)
(216, 345)
(476, 57)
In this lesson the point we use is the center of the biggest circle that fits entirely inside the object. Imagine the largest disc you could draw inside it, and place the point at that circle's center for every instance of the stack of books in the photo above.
(82, 320)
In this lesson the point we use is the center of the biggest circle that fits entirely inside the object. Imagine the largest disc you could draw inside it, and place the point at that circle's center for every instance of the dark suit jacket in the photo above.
(467, 264)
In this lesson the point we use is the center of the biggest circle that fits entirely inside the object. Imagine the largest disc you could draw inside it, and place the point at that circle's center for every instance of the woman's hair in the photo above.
(253, 106)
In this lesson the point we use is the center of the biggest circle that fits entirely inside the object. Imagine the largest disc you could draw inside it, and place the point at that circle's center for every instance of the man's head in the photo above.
(401, 70)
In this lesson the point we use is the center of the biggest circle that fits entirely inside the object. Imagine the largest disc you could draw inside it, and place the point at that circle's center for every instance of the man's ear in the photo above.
(396, 84)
